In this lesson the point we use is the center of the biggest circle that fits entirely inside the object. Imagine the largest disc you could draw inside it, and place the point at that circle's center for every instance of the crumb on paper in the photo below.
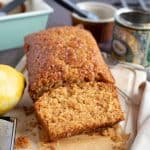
(33, 124)
(28, 110)
(30, 125)
(119, 147)
(115, 133)
(22, 142)
(28, 130)
(34, 134)
(49, 146)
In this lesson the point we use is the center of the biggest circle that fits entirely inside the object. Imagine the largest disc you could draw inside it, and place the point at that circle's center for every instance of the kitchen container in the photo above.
(131, 36)
(101, 29)
(14, 27)
(7, 132)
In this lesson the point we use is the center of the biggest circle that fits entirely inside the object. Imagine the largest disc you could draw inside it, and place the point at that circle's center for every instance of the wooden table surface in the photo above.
(58, 18)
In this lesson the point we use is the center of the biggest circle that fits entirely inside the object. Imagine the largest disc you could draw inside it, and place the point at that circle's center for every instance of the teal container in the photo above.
(13, 28)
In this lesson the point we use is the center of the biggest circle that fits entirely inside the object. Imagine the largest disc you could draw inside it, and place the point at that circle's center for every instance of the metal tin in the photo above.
(131, 36)
(7, 133)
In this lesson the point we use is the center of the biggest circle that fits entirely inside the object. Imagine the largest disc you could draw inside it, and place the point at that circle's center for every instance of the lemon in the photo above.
(12, 84)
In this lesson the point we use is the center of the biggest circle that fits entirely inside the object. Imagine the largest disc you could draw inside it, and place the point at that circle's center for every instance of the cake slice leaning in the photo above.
(77, 108)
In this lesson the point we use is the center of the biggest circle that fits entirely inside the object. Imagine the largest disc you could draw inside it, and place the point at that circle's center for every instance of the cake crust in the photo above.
(63, 54)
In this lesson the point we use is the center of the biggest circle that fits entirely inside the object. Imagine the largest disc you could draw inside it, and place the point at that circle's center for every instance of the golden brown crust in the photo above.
(63, 54)
(77, 108)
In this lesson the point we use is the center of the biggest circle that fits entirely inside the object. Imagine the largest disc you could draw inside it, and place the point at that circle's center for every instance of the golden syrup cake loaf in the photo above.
(77, 108)
(63, 55)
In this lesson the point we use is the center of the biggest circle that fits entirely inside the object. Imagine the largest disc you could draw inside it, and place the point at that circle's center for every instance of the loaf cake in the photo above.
(72, 87)
(76, 108)
(63, 55)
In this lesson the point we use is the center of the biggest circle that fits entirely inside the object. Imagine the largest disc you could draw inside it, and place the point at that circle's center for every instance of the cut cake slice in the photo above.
(77, 108)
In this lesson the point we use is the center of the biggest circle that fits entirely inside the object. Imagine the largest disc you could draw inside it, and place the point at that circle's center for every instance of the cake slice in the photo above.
(77, 108)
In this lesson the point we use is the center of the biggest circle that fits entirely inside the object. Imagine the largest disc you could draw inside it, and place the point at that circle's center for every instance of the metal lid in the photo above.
(136, 19)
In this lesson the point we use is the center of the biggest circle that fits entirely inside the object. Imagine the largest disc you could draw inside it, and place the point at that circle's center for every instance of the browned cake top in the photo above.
(63, 54)
(73, 109)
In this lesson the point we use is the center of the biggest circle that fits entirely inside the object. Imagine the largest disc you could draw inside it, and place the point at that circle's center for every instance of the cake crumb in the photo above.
(28, 110)
(34, 134)
(22, 142)
(46, 146)
(116, 135)
(33, 124)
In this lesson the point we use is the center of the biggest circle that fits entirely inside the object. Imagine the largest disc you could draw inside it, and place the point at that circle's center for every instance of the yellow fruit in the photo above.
(12, 84)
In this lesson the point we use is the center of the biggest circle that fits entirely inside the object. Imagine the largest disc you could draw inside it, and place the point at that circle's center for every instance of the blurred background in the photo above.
(63, 17)
(58, 19)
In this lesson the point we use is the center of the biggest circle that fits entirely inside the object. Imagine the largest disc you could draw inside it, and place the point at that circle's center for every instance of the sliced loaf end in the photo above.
(77, 108)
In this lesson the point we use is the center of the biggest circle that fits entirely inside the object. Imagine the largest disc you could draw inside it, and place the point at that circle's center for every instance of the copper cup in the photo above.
(101, 29)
